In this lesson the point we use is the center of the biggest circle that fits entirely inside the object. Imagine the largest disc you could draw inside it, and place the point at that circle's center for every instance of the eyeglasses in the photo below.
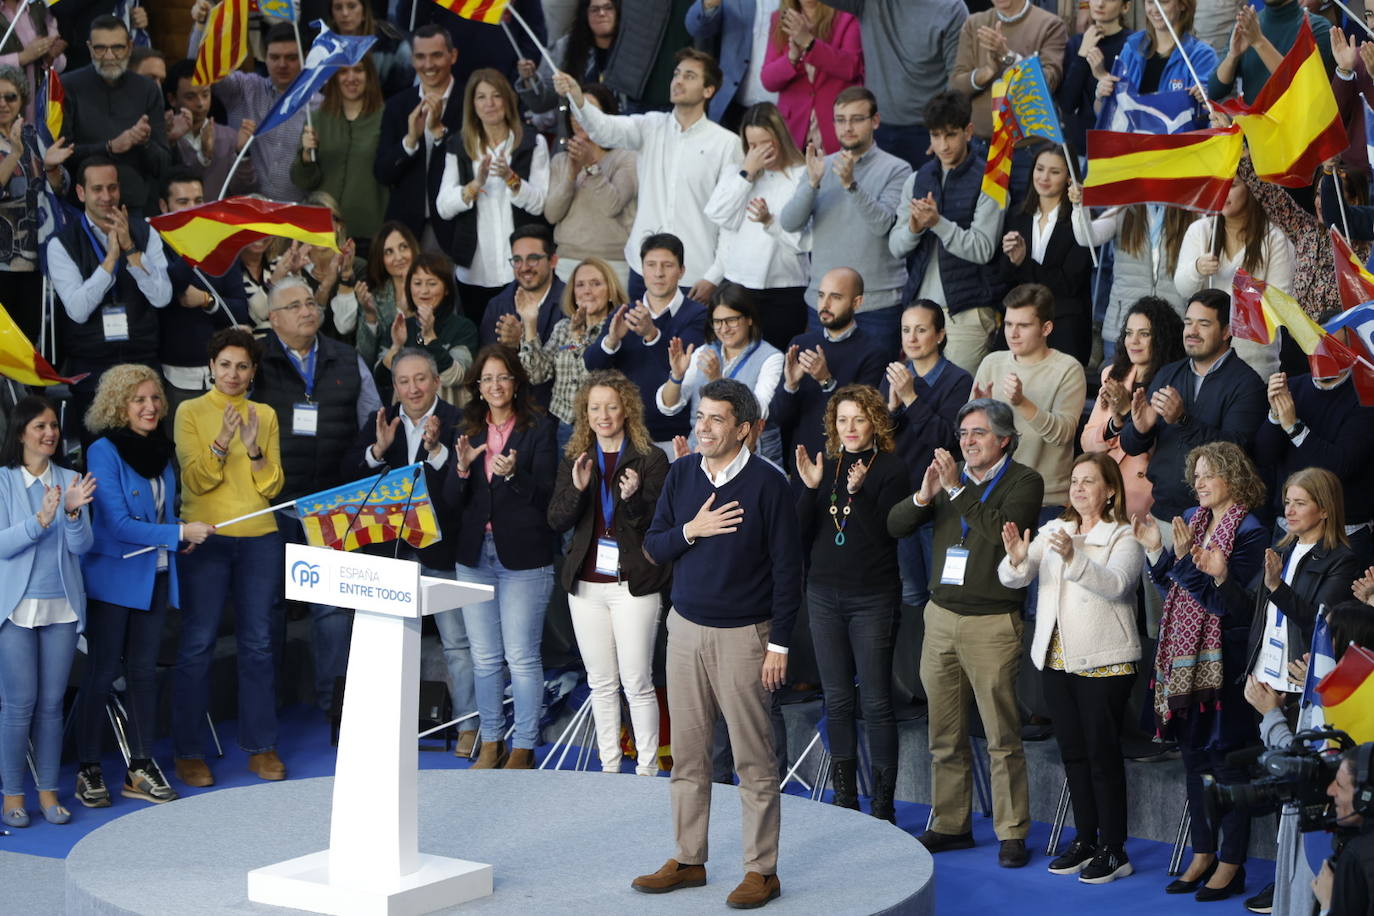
(853, 121)
(9, 98)
(297, 306)
(730, 322)
(109, 50)
(532, 260)
(496, 380)
(601, 9)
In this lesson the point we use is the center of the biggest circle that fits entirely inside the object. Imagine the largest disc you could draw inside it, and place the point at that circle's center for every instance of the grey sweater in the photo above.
(909, 48)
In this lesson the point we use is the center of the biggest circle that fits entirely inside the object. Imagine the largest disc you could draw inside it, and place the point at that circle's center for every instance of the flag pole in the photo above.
(218, 525)
(300, 49)
(1197, 80)
(1358, 20)
(1078, 211)
(235, 167)
(511, 38)
(534, 38)
(220, 304)
(14, 22)
(1340, 198)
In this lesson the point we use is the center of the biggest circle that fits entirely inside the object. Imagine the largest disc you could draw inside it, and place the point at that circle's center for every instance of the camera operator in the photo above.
(1347, 888)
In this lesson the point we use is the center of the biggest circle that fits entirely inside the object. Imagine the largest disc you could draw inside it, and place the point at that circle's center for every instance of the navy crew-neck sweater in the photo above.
(858, 359)
(739, 579)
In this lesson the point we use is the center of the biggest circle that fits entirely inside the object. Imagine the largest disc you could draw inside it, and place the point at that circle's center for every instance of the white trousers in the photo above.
(615, 633)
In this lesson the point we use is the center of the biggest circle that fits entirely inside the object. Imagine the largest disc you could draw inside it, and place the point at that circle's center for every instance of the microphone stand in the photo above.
(362, 505)
(400, 534)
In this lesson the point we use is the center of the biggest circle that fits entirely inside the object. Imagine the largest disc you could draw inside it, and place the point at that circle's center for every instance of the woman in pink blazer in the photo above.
(814, 55)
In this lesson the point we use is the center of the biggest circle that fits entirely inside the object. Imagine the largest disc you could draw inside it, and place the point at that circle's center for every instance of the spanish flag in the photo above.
(372, 511)
(488, 11)
(211, 236)
(1193, 169)
(1347, 694)
(1258, 310)
(997, 173)
(224, 44)
(20, 361)
(1355, 283)
(1293, 125)
(51, 97)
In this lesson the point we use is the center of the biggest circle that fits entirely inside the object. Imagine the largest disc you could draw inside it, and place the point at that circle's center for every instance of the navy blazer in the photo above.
(124, 519)
(411, 183)
(438, 555)
(517, 508)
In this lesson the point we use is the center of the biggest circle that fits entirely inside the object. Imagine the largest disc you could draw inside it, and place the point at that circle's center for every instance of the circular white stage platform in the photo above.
(559, 842)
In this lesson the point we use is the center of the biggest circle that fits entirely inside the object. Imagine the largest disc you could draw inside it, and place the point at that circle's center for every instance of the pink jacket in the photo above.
(1139, 491)
(839, 64)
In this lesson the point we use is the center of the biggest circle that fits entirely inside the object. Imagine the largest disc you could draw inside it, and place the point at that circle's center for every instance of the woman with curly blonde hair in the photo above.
(854, 590)
(608, 483)
(1199, 698)
(127, 597)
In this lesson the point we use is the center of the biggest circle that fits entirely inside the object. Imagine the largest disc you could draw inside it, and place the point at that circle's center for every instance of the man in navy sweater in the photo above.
(531, 304)
(818, 364)
(1210, 394)
(728, 524)
(636, 338)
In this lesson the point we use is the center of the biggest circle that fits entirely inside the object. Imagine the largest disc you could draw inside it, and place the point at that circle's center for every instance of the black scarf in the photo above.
(147, 455)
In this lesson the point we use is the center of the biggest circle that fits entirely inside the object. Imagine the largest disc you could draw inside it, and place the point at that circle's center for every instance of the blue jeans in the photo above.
(34, 665)
(510, 627)
(331, 628)
(882, 325)
(120, 637)
(248, 572)
(854, 635)
(915, 559)
(563, 434)
(453, 635)
(905, 141)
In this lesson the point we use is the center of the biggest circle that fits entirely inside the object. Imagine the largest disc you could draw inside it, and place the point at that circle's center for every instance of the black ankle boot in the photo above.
(884, 787)
(844, 780)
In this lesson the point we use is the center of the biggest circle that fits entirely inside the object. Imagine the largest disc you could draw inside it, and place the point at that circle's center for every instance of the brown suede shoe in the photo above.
(195, 773)
(754, 891)
(521, 758)
(670, 877)
(492, 755)
(467, 741)
(267, 765)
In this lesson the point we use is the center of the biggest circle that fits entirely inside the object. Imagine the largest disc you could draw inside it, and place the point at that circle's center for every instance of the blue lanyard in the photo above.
(1278, 612)
(607, 495)
(306, 371)
(739, 363)
(963, 475)
(95, 240)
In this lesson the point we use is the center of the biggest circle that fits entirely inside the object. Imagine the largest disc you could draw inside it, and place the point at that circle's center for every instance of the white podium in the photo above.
(373, 864)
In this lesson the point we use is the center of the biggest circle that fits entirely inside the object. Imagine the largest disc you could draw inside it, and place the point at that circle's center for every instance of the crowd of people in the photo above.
(713, 328)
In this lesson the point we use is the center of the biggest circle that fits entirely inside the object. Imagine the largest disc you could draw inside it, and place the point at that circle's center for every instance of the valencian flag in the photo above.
(488, 11)
(1293, 125)
(372, 511)
(1022, 107)
(211, 236)
(278, 9)
(224, 44)
(1192, 170)
(328, 52)
(1347, 694)
(20, 361)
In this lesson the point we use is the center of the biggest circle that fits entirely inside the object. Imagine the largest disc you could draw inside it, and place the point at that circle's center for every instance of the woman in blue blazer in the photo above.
(497, 503)
(43, 530)
(128, 598)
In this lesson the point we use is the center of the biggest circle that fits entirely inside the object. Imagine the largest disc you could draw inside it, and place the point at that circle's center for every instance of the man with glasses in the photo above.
(113, 111)
(972, 647)
(248, 97)
(850, 202)
(529, 306)
(323, 394)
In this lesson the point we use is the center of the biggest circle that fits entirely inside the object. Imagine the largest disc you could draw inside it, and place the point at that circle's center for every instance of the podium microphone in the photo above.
(400, 534)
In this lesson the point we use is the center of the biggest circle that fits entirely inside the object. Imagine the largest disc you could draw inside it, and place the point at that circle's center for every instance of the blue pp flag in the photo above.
(1358, 321)
(328, 53)
(1129, 111)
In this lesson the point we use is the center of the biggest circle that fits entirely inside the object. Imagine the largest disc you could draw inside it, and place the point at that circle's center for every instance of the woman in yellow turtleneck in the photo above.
(229, 452)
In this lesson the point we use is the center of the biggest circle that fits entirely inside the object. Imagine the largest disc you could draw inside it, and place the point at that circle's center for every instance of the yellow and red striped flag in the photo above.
(1347, 694)
(224, 44)
(1293, 125)
(20, 361)
(51, 97)
(1353, 279)
(1193, 169)
(997, 174)
(372, 511)
(488, 11)
(211, 236)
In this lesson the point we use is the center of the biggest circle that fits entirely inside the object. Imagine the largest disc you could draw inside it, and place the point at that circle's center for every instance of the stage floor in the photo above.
(559, 842)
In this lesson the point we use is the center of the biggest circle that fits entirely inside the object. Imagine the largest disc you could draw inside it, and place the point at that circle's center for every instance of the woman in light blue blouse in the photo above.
(43, 531)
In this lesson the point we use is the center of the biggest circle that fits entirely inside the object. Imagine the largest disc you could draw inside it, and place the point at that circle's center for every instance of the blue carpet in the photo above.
(966, 880)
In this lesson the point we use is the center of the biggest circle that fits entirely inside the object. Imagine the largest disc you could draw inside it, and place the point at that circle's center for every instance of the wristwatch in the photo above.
(593, 169)
(1296, 430)
(1007, 59)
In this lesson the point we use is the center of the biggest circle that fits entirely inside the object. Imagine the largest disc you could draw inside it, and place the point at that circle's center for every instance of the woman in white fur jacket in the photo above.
(1086, 647)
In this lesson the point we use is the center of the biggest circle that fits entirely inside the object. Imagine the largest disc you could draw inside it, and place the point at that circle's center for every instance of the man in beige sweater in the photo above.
(995, 39)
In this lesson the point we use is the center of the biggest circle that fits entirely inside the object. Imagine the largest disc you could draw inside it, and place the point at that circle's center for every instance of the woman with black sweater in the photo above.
(853, 589)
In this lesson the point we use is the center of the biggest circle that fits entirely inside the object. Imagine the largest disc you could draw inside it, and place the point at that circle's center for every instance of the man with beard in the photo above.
(529, 307)
(113, 111)
(683, 155)
(850, 202)
(819, 362)
(1208, 395)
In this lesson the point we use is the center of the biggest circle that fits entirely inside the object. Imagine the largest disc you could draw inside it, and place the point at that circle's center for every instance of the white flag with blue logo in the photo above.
(328, 53)
(1129, 111)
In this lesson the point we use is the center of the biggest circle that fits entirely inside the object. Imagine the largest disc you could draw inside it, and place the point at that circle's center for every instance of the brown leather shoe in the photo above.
(267, 765)
(195, 773)
(467, 741)
(754, 891)
(670, 877)
(492, 755)
(521, 758)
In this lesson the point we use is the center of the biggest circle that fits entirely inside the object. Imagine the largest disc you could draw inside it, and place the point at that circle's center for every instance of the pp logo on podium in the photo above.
(305, 575)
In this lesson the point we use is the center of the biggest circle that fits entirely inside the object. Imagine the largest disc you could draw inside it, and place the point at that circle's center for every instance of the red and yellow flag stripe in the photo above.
(211, 235)
(1193, 169)
(488, 11)
(224, 44)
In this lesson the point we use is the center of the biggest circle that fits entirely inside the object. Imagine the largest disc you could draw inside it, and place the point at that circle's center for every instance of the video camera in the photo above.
(1298, 777)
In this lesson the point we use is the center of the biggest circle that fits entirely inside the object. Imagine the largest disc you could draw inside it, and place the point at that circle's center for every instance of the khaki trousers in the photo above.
(966, 337)
(980, 657)
(715, 670)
